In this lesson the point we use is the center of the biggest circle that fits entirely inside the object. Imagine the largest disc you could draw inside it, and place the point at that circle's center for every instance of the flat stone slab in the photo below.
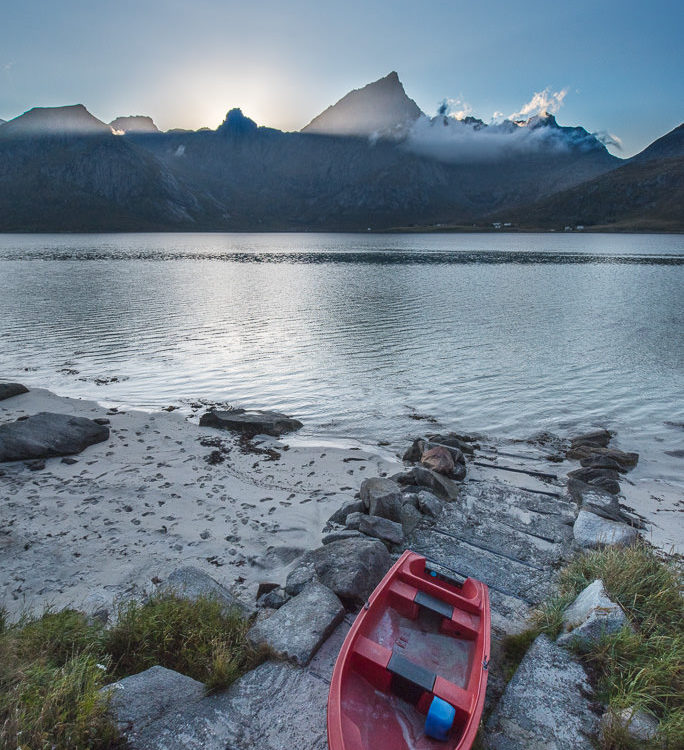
(251, 423)
(299, 627)
(146, 697)
(273, 707)
(590, 616)
(7, 390)
(192, 583)
(592, 532)
(46, 434)
(546, 705)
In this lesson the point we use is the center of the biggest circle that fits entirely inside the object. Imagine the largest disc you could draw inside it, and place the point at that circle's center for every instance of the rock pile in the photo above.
(595, 487)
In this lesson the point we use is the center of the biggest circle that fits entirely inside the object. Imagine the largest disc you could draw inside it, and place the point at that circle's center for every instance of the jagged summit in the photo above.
(134, 124)
(236, 124)
(381, 108)
(73, 119)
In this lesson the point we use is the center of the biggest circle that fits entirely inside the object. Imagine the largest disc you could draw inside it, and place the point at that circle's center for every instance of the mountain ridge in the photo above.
(65, 170)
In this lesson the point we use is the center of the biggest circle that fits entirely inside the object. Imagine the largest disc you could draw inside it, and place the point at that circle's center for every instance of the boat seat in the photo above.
(434, 604)
(406, 599)
(392, 672)
(410, 681)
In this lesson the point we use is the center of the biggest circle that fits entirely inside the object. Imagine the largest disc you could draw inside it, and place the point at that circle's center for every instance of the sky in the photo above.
(618, 64)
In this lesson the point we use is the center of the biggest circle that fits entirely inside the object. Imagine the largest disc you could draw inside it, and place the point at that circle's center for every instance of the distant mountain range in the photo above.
(372, 160)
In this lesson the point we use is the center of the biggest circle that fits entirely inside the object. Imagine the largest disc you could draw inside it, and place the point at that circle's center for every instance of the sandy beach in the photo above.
(164, 492)
(134, 508)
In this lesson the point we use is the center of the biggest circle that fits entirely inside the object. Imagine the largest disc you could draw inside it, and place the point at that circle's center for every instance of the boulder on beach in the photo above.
(438, 459)
(592, 615)
(7, 390)
(45, 435)
(351, 568)
(599, 438)
(381, 497)
(192, 583)
(602, 479)
(250, 422)
(299, 627)
(422, 477)
(626, 461)
(143, 698)
(592, 532)
(381, 528)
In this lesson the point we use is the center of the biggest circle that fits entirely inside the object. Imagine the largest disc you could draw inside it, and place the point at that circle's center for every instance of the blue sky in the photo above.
(186, 63)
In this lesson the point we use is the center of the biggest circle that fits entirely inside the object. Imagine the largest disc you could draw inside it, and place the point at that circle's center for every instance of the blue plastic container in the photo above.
(439, 719)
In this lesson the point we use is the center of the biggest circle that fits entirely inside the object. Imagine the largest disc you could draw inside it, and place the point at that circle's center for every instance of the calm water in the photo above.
(507, 334)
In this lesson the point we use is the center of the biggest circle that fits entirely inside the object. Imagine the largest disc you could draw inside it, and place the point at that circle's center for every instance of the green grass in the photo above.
(53, 666)
(641, 667)
(196, 638)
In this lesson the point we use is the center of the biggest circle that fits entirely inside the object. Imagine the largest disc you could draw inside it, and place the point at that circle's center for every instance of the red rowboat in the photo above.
(412, 671)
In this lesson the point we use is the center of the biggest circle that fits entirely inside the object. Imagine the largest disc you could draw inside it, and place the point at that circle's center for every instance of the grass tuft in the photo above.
(53, 666)
(50, 676)
(642, 666)
(197, 638)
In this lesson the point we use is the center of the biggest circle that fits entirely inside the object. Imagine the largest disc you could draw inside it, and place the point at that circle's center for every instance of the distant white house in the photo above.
(496, 224)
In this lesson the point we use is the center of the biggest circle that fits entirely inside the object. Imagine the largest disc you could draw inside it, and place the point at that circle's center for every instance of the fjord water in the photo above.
(506, 334)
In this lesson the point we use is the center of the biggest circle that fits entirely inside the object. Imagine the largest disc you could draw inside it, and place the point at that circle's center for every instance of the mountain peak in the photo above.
(73, 119)
(236, 123)
(134, 124)
(379, 108)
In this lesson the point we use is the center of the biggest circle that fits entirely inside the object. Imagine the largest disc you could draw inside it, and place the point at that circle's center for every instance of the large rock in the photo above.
(419, 476)
(438, 459)
(429, 504)
(639, 726)
(193, 583)
(381, 528)
(381, 497)
(546, 706)
(605, 505)
(46, 434)
(410, 518)
(591, 616)
(251, 422)
(298, 628)
(340, 515)
(7, 390)
(603, 479)
(597, 461)
(592, 531)
(140, 700)
(599, 438)
(626, 460)
(274, 706)
(350, 568)
(455, 447)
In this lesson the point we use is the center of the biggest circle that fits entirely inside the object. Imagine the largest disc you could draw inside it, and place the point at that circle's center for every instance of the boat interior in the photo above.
(420, 640)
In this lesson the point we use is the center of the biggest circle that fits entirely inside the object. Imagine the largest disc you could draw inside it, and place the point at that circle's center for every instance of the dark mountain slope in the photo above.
(641, 195)
(670, 145)
(89, 183)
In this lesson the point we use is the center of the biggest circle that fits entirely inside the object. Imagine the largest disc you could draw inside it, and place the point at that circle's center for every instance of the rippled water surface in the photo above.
(358, 334)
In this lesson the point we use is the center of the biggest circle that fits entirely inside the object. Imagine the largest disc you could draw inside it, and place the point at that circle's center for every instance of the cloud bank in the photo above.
(454, 135)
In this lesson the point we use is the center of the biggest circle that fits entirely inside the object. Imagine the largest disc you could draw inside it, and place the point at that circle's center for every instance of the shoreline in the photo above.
(146, 501)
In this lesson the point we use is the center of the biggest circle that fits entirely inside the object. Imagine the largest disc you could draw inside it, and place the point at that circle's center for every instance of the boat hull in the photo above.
(421, 636)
